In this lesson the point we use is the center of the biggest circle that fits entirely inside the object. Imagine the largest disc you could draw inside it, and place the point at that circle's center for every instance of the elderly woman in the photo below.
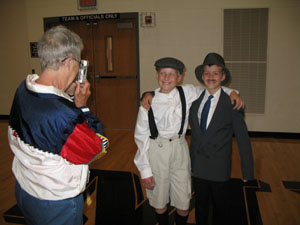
(54, 136)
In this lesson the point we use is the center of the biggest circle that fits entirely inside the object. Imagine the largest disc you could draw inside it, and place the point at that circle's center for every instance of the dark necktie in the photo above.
(204, 114)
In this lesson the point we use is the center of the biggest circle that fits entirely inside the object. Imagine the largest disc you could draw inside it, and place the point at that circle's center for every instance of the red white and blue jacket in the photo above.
(53, 141)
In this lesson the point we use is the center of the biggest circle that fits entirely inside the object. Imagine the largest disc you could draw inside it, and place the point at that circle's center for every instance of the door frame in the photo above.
(54, 21)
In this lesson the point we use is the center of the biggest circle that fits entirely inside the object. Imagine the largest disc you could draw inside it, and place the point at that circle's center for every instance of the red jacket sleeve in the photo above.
(83, 145)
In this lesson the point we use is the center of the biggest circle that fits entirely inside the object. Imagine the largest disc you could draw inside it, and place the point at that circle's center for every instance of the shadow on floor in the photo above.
(119, 200)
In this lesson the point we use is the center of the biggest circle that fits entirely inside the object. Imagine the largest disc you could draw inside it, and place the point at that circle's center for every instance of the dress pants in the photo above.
(217, 192)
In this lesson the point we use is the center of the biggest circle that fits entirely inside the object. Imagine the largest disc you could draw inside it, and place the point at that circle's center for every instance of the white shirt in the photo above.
(167, 112)
(213, 104)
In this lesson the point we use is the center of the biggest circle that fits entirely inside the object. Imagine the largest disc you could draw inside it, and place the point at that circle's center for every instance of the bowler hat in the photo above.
(212, 59)
(169, 62)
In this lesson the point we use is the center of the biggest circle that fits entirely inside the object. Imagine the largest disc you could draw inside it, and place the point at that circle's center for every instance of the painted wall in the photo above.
(187, 30)
(14, 50)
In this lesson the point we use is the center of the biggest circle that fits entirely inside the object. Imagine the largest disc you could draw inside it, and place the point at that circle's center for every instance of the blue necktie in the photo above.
(204, 114)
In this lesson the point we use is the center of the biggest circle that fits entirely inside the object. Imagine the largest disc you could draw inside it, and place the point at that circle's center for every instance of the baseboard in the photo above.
(264, 134)
(4, 117)
(274, 135)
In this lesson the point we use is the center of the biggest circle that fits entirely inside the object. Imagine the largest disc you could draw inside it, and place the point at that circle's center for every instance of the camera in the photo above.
(82, 70)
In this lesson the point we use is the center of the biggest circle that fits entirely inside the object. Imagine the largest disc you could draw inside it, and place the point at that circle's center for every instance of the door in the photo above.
(116, 73)
(111, 48)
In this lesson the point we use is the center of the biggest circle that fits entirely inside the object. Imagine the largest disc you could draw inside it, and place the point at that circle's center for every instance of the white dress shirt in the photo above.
(213, 104)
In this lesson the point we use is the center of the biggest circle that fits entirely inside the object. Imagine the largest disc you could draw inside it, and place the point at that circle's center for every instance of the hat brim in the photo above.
(180, 70)
(199, 72)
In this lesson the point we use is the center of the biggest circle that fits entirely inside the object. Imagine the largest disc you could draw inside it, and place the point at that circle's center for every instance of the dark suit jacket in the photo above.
(211, 153)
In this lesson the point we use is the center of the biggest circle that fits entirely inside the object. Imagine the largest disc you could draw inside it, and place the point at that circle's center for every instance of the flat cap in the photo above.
(169, 62)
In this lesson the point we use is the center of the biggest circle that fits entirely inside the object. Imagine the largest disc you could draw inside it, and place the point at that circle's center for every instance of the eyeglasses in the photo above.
(80, 63)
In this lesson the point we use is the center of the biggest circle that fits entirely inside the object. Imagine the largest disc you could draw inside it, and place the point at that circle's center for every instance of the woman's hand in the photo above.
(82, 93)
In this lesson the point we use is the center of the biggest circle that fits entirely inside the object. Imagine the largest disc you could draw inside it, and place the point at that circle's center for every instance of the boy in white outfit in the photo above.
(163, 158)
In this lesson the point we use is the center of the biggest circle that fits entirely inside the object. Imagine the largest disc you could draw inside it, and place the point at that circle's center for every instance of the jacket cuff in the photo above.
(150, 92)
(147, 172)
(85, 109)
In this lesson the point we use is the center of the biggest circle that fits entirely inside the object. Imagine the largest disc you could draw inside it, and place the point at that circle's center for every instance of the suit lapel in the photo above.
(194, 113)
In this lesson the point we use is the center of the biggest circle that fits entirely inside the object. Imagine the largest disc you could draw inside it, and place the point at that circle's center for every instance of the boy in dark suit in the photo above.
(213, 121)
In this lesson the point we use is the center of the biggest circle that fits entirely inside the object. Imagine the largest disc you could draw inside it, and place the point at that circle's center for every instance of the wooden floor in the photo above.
(276, 160)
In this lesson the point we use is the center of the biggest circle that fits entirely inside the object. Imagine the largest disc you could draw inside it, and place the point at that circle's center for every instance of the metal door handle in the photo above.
(114, 77)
